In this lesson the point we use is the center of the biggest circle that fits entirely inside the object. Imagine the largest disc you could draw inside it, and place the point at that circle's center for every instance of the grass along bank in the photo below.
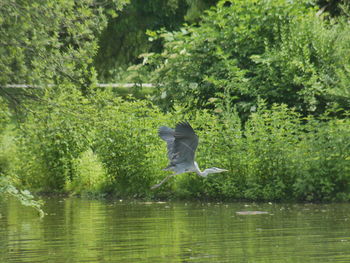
(110, 146)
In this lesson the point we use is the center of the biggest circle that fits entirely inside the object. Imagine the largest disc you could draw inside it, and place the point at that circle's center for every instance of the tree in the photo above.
(50, 43)
(242, 50)
(125, 37)
(47, 44)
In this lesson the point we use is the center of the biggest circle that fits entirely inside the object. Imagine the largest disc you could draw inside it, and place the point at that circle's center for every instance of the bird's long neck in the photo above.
(204, 173)
(199, 172)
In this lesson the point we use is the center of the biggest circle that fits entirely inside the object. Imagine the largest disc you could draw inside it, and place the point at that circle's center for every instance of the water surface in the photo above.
(77, 230)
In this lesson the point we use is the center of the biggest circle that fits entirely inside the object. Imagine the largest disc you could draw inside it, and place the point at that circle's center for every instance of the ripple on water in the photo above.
(77, 230)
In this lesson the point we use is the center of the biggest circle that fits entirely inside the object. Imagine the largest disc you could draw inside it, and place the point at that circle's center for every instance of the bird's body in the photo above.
(182, 144)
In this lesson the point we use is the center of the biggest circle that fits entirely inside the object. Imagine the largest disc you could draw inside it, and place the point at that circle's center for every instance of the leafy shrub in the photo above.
(271, 136)
(24, 196)
(51, 138)
(277, 155)
(109, 145)
(220, 145)
(276, 50)
(8, 156)
(55, 146)
(128, 146)
(257, 155)
(323, 158)
(4, 122)
(89, 177)
(306, 68)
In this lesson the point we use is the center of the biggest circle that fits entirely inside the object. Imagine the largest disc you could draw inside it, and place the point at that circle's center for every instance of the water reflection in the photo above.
(78, 230)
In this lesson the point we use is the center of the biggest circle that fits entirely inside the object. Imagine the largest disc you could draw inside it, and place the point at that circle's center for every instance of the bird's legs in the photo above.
(163, 181)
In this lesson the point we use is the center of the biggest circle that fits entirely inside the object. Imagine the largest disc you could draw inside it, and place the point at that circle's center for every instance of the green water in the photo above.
(76, 230)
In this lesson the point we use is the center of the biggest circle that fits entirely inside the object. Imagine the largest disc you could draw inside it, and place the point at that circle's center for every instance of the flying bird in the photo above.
(182, 144)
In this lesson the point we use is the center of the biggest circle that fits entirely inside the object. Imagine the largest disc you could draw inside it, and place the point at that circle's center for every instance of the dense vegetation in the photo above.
(125, 38)
(47, 44)
(264, 83)
(245, 50)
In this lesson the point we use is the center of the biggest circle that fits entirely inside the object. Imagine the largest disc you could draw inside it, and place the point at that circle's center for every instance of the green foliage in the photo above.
(110, 146)
(4, 142)
(277, 155)
(323, 158)
(308, 70)
(127, 144)
(125, 37)
(51, 138)
(97, 145)
(258, 155)
(7, 159)
(89, 177)
(7, 189)
(276, 50)
(260, 56)
(271, 136)
(47, 43)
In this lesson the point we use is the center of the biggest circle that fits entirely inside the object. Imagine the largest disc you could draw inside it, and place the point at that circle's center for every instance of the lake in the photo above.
(79, 230)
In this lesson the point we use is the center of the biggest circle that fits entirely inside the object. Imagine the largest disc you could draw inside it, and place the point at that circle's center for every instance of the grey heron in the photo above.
(182, 144)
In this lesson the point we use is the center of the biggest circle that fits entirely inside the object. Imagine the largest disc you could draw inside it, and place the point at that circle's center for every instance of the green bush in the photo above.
(102, 144)
(52, 136)
(128, 146)
(308, 67)
(258, 155)
(90, 177)
(271, 136)
(220, 145)
(276, 50)
(323, 158)
(8, 158)
(106, 145)
(277, 155)
(4, 122)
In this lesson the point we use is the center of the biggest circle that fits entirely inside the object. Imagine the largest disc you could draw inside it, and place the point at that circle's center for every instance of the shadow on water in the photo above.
(77, 230)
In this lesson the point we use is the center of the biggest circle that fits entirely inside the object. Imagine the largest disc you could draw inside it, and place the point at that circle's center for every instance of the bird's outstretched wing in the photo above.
(181, 143)
(185, 144)
(168, 135)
